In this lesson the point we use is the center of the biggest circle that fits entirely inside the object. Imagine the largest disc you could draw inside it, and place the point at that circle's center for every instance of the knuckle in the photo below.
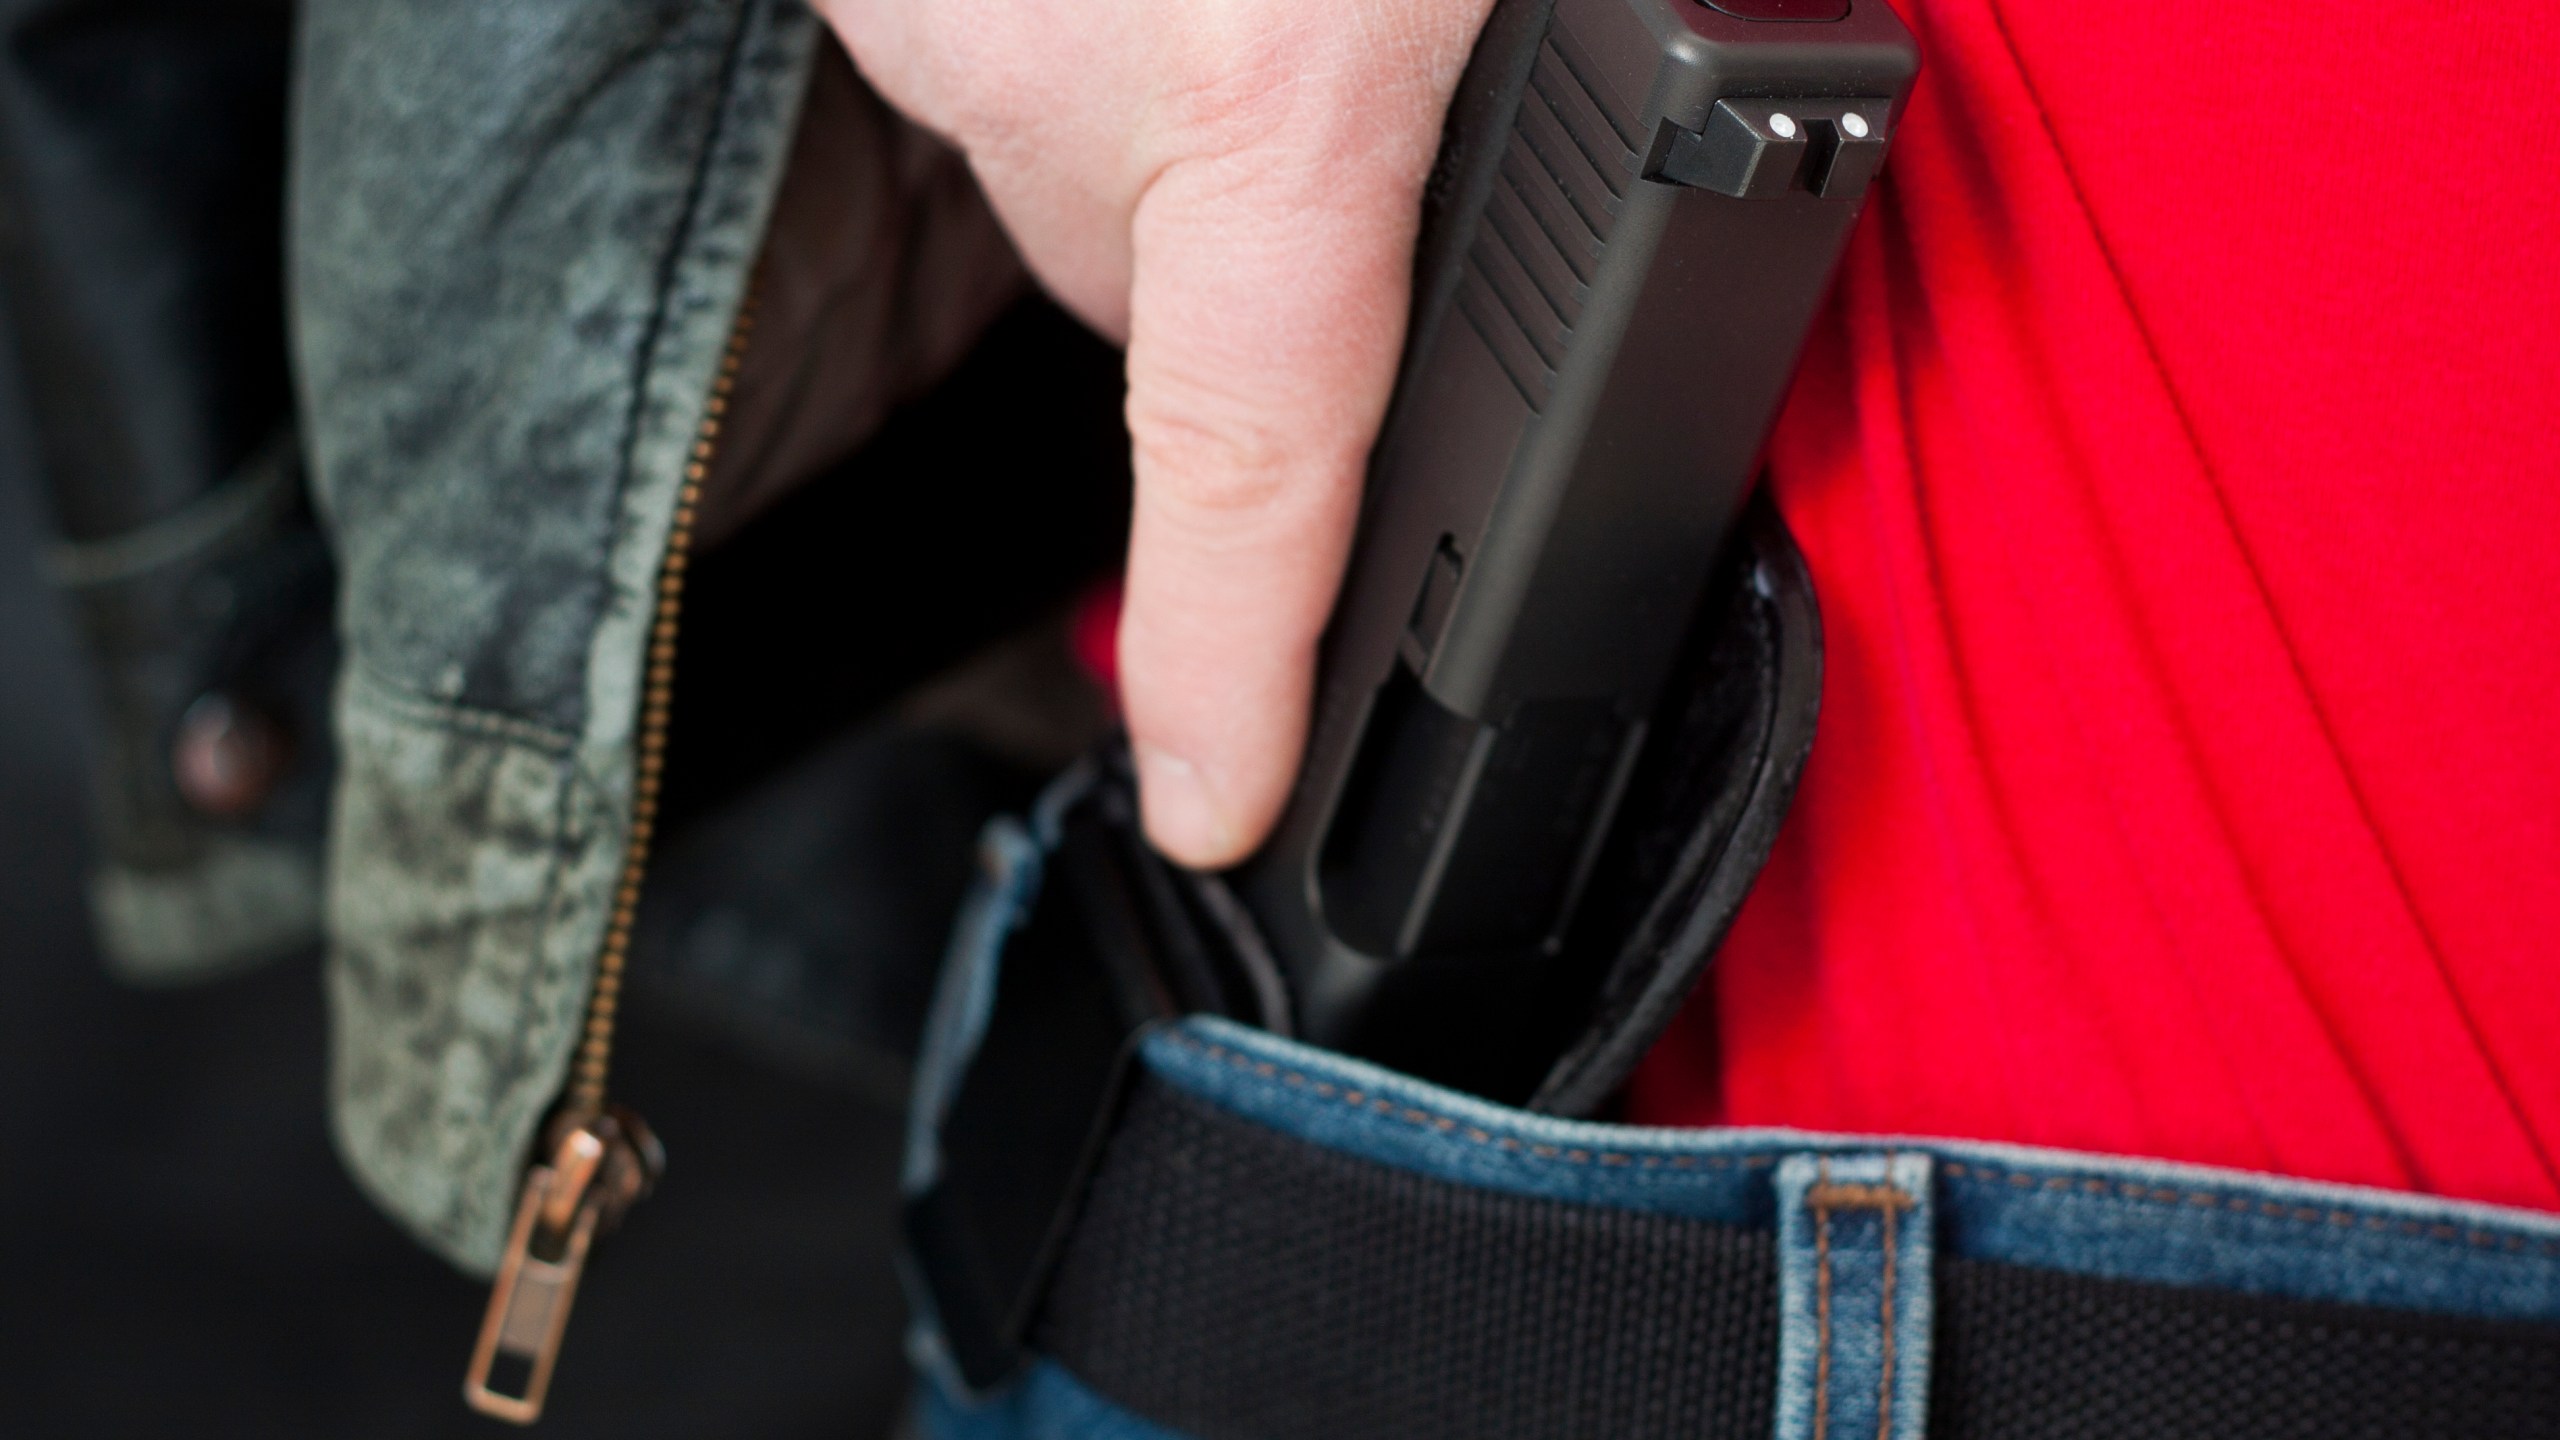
(1221, 466)
(1246, 91)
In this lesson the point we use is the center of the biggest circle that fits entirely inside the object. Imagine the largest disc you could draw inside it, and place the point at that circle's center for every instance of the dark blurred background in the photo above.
(180, 1252)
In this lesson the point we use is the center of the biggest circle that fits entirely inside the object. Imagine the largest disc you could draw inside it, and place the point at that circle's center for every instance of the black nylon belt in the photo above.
(1234, 1283)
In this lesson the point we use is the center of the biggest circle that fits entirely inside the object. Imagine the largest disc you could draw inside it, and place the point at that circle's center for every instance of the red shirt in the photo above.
(2178, 467)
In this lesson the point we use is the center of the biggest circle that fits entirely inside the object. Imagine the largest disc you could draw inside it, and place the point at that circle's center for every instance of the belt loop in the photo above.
(1854, 1296)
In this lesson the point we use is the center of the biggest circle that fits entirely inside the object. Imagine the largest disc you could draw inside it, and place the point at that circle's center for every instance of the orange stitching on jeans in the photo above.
(2243, 1205)
(1822, 1197)
(1884, 1386)
(2205, 1200)
(1859, 1197)
(1821, 1299)
(1363, 1100)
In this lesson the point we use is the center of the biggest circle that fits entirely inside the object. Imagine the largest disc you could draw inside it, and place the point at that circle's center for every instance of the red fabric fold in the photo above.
(2174, 466)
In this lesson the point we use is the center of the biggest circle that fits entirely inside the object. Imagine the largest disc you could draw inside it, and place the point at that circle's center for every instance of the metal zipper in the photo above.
(601, 1158)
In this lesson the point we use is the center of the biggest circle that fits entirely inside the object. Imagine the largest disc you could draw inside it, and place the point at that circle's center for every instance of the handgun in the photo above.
(1636, 211)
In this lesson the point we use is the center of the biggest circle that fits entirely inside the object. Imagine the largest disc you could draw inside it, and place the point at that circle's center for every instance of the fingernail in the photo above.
(1183, 815)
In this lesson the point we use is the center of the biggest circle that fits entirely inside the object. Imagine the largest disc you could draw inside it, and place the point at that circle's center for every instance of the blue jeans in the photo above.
(1859, 1220)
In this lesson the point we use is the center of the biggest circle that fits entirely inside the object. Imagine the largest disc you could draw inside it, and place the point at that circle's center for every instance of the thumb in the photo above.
(1267, 307)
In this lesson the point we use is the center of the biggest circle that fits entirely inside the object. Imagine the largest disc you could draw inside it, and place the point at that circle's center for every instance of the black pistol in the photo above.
(1637, 209)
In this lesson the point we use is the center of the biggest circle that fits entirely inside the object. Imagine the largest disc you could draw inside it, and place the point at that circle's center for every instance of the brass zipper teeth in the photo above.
(594, 1061)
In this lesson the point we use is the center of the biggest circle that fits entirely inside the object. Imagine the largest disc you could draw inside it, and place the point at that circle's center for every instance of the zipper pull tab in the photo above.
(598, 1169)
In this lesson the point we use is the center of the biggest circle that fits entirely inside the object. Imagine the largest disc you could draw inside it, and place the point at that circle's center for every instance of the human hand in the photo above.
(1231, 189)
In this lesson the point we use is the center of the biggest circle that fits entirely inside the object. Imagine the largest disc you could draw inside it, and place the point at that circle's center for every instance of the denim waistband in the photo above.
(1860, 1222)
(2099, 1215)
